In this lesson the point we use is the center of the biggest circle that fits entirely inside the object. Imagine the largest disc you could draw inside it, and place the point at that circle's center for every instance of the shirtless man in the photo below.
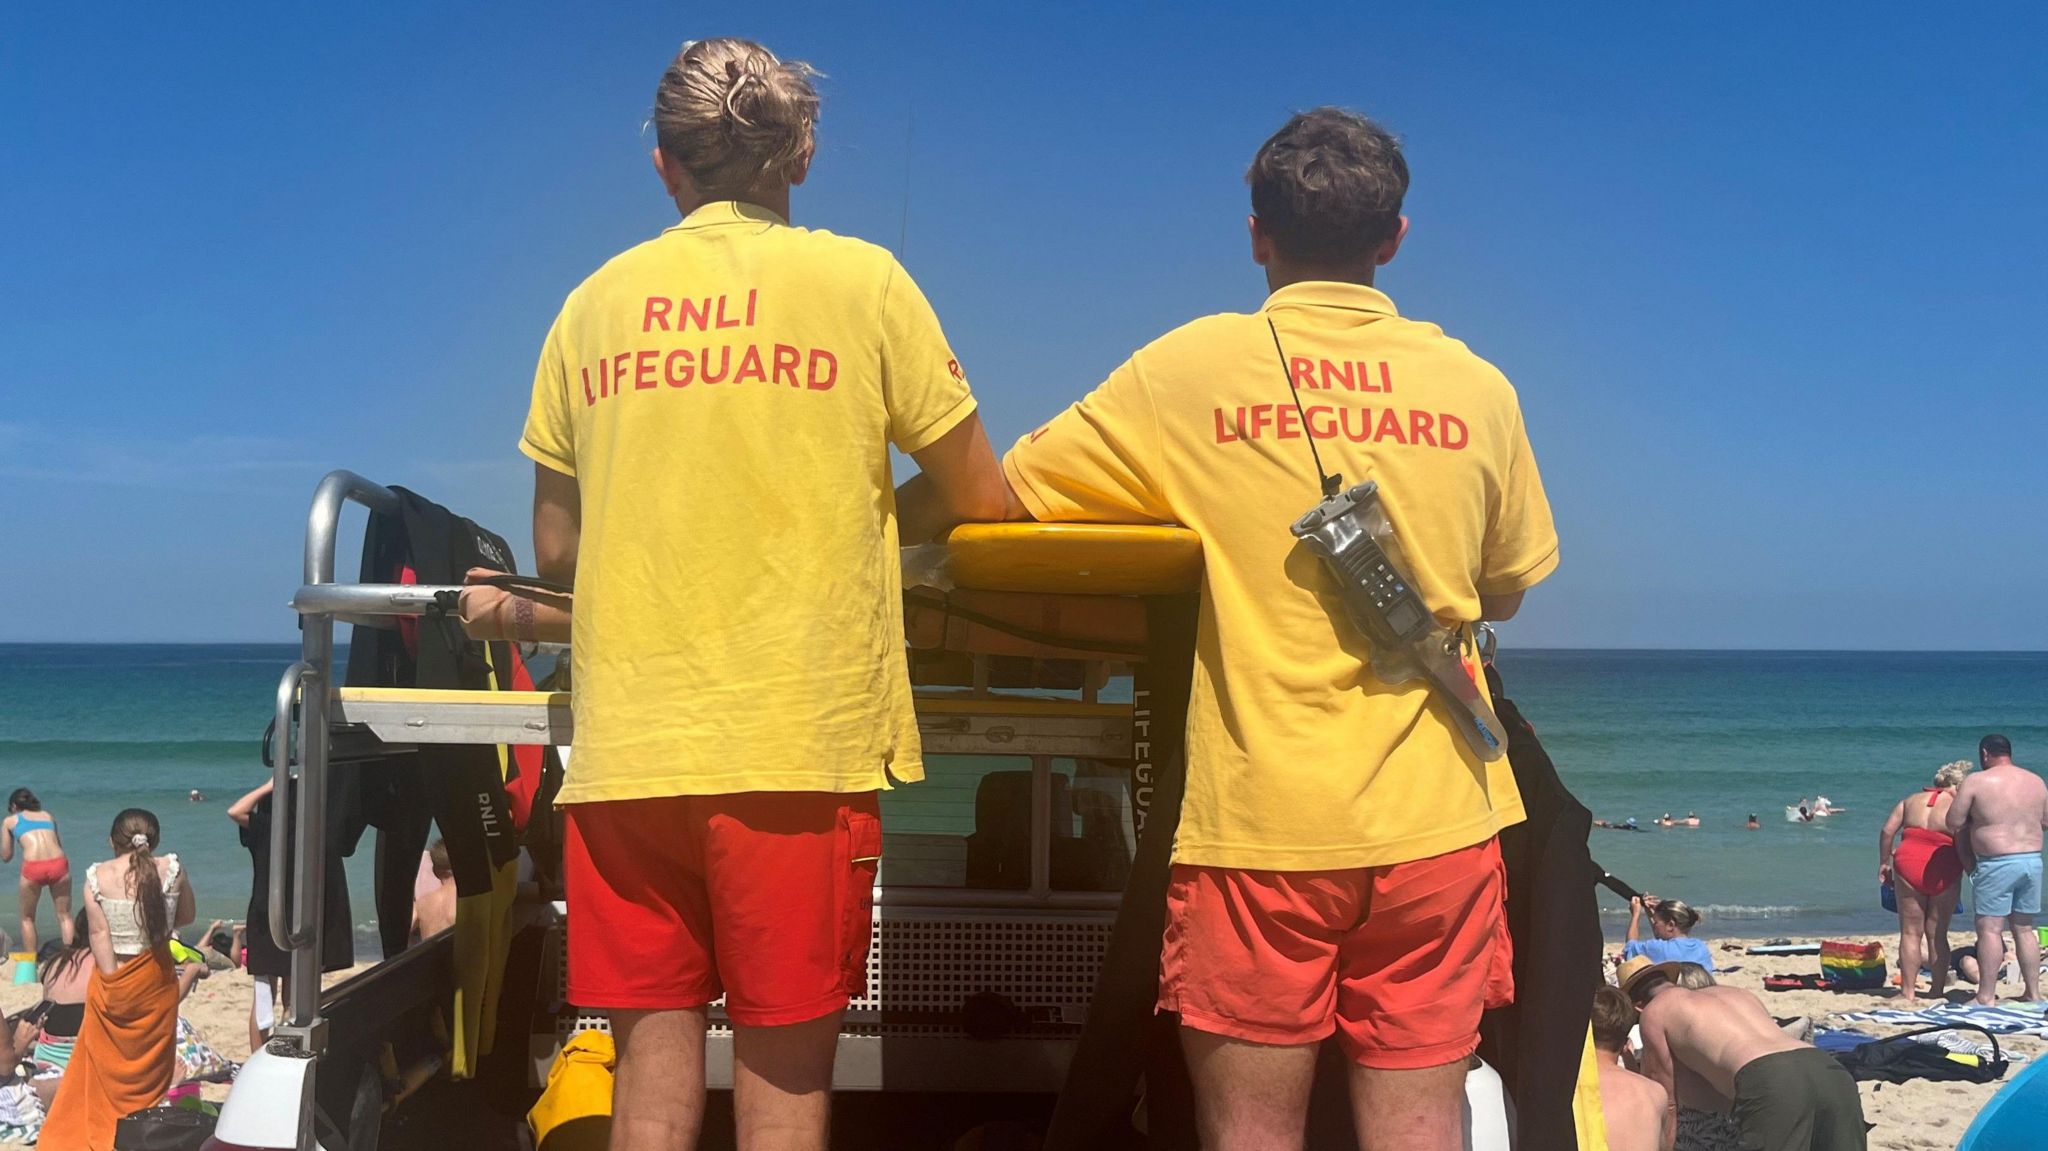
(1996, 819)
(1717, 1049)
(1640, 1114)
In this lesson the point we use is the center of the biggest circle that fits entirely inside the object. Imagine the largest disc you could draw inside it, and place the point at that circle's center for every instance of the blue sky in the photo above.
(1769, 284)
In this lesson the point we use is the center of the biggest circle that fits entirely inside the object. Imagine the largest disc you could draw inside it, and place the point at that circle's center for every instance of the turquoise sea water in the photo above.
(93, 729)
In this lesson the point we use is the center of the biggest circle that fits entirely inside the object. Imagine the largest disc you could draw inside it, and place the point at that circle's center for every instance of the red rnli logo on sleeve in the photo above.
(953, 369)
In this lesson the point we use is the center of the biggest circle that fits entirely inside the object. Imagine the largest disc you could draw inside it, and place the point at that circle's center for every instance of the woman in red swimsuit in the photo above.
(43, 866)
(1926, 874)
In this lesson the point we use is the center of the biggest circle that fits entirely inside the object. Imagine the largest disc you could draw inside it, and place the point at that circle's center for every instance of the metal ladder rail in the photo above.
(296, 915)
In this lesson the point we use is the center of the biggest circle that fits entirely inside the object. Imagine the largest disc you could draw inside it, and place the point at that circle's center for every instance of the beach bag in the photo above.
(1899, 1058)
(1852, 966)
(575, 1108)
(163, 1129)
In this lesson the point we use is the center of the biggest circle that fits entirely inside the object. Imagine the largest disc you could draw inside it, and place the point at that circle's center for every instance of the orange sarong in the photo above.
(127, 1049)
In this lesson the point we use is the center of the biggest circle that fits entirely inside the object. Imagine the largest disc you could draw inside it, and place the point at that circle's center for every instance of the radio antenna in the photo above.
(1330, 483)
(903, 236)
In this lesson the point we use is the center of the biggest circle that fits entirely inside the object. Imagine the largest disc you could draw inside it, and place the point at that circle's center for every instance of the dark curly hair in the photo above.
(1327, 188)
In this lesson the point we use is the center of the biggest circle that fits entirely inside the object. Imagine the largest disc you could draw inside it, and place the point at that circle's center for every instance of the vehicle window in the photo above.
(1092, 843)
(968, 825)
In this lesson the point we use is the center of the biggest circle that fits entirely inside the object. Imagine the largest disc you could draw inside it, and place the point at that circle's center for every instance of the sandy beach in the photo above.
(218, 1009)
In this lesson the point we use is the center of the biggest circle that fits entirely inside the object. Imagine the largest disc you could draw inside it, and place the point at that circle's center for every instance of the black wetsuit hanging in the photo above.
(337, 941)
(1554, 920)
(461, 788)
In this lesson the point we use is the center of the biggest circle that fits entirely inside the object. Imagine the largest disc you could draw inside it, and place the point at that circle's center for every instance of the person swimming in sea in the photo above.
(44, 866)
(1692, 819)
(1754, 823)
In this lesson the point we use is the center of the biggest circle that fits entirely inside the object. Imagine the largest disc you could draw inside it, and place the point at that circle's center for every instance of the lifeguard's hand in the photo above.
(490, 612)
(1884, 872)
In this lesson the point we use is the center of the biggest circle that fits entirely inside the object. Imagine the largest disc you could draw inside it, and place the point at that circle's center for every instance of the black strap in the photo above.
(446, 601)
(1997, 1054)
(525, 583)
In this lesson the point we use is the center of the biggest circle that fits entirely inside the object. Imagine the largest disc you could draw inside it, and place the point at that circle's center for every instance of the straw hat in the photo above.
(1634, 971)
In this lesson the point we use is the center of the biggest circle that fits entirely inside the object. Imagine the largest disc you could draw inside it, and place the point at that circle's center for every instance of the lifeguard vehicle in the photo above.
(1051, 666)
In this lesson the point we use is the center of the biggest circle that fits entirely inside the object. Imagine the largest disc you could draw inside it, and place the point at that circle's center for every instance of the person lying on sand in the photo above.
(1718, 1049)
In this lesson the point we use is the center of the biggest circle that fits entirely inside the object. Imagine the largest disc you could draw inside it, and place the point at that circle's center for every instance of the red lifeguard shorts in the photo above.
(1398, 961)
(764, 897)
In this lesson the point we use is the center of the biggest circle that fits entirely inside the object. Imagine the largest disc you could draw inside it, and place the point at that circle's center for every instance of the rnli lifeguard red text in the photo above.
(705, 362)
(1328, 421)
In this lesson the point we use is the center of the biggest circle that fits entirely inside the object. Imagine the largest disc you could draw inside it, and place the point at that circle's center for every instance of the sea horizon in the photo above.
(1635, 732)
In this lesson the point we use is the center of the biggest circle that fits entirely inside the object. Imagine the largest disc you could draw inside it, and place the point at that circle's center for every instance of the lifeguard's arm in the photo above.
(1885, 835)
(241, 809)
(557, 523)
(1100, 461)
(1501, 607)
(958, 482)
(1520, 546)
(7, 840)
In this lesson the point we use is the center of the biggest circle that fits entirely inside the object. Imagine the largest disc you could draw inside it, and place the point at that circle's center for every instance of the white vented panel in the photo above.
(923, 964)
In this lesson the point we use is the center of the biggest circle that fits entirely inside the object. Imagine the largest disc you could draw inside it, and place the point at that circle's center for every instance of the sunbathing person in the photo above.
(1718, 1049)
(1926, 875)
(1640, 1113)
(1671, 924)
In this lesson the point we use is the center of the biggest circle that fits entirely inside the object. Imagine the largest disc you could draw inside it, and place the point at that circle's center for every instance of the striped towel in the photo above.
(1961, 1044)
(2005, 1019)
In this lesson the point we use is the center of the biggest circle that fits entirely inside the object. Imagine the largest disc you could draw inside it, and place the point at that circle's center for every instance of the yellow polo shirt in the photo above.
(1299, 759)
(725, 395)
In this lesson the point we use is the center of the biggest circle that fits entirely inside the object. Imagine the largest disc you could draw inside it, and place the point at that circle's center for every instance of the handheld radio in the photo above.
(1349, 531)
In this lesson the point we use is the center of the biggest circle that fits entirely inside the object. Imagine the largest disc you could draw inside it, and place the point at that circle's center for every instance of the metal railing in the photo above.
(295, 922)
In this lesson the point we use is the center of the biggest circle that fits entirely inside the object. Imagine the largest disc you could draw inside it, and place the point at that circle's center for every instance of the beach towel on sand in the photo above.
(126, 1051)
(2005, 1019)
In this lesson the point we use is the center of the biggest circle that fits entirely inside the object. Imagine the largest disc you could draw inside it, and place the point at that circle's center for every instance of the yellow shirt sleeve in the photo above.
(1100, 461)
(922, 384)
(1521, 541)
(550, 435)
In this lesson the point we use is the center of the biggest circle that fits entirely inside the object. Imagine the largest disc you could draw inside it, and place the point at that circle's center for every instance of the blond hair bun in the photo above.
(735, 116)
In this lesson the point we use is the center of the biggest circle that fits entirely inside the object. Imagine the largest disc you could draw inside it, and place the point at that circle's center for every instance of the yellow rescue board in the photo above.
(1074, 559)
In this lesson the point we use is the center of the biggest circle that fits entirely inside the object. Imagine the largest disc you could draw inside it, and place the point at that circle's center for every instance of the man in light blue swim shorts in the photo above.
(1997, 821)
